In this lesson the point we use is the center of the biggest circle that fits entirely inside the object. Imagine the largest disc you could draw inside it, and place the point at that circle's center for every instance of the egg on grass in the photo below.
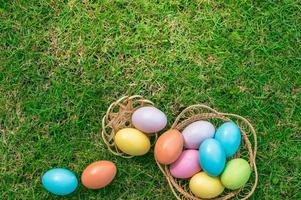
(98, 174)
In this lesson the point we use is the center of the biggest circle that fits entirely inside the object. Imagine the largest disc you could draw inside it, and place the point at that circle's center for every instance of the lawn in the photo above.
(63, 62)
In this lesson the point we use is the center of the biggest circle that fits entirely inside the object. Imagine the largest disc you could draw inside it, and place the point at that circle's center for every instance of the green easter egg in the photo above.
(236, 174)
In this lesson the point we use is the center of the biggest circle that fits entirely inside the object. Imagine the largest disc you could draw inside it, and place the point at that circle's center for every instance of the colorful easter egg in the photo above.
(59, 181)
(236, 174)
(195, 133)
(149, 119)
(228, 134)
(212, 157)
(204, 186)
(169, 147)
(186, 165)
(132, 141)
(98, 174)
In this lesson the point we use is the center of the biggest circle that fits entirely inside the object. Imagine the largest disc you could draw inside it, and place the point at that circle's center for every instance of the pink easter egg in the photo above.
(186, 165)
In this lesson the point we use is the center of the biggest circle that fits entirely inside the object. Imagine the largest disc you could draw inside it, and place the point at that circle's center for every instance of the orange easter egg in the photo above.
(99, 174)
(169, 147)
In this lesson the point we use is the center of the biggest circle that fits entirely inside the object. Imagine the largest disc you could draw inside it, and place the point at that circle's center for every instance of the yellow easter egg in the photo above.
(132, 141)
(204, 186)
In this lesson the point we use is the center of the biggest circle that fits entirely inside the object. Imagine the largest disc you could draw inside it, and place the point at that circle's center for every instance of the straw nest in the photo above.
(247, 151)
(119, 116)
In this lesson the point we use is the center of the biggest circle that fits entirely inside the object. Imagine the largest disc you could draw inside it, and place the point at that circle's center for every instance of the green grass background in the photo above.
(63, 62)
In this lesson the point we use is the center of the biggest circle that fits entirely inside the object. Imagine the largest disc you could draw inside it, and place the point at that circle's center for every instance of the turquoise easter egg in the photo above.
(59, 181)
(228, 134)
(212, 157)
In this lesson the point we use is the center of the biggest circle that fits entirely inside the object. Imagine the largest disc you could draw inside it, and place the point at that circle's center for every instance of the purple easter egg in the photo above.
(149, 119)
(186, 165)
(195, 133)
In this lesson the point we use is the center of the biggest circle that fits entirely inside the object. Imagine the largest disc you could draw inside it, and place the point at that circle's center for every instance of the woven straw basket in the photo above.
(118, 116)
(247, 151)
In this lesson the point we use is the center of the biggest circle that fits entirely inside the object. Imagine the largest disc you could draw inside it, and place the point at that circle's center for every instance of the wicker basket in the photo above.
(247, 151)
(118, 116)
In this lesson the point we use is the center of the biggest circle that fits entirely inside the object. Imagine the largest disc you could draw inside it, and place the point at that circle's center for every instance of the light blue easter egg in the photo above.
(59, 181)
(228, 134)
(212, 157)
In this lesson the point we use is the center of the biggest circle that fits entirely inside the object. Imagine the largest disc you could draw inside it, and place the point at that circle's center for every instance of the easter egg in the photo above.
(236, 174)
(169, 147)
(132, 141)
(149, 119)
(228, 134)
(212, 157)
(59, 181)
(195, 133)
(204, 186)
(186, 165)
(98, 174)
